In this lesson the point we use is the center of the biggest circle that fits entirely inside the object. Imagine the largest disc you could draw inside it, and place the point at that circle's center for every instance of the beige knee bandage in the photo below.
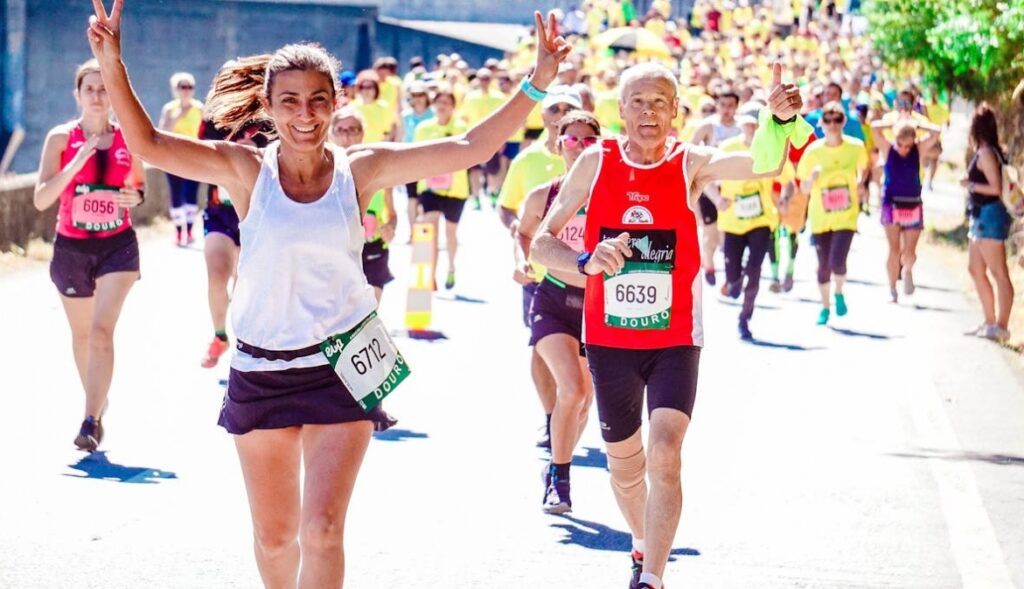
(629, 475)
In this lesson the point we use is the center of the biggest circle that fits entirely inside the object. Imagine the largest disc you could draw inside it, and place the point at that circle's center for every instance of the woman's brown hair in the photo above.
(241, 87)
(985, 129)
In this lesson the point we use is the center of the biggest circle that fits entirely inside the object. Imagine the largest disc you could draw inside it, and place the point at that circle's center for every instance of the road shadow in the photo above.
(594, 458)
(399, 435)
(808, 301)
(97, 466)
(595, 536)
(736, 303)
(864, 334)
(925, 453)
(781, 346)
(459, 298)
(935, 309)
(863, 282)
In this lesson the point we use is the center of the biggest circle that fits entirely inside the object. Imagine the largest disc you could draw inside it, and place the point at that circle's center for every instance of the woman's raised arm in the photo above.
(379, 165)
(217, 162)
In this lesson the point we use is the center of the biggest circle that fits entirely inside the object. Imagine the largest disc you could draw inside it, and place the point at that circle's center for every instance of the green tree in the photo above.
(974, 48)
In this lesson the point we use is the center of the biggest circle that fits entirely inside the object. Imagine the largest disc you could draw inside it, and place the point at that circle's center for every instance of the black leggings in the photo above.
(758, 241)
(833, 248)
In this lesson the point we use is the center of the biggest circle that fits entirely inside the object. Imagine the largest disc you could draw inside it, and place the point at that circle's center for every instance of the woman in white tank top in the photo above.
(300, 279)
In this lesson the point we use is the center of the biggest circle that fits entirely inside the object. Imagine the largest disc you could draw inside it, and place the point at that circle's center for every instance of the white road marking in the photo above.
(977, 553)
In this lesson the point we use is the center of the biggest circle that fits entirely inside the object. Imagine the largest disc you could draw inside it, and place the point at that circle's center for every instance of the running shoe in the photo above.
(494, 200)
(449, 282)
(476, 203)
(709, 277)
(745, 330)
(189, 240)
(775, 287)
(732, 290)
(214, 352)
(908, 283)
(787, 283)
(823, 316)
(556, 499)
(996, 334)
(841, 308)
(384, 421)
(544, 441)
(88, 437)
(638, 568)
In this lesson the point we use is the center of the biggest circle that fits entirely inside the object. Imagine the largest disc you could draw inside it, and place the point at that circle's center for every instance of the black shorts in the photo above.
(412, 190)
(223, 220)
(528, 291)
(533, 134)
(708, 210)
(448, 206)
(620, 376)
(77, 263)
(511, 150)
(375, 263)
(556, 309)
(491, 166)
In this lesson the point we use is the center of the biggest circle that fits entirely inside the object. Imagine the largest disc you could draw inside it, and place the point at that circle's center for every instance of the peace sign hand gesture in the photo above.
(105, 32)
(552, 49)
(784, 101)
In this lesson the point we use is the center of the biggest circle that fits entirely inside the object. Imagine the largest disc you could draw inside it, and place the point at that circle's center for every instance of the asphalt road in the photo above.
(885, 450)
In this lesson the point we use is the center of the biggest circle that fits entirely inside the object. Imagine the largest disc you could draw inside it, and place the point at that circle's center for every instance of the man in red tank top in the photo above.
(642, 308)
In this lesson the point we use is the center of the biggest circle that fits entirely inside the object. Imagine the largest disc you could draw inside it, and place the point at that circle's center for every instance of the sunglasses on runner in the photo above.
(348, 130)
(185, 87)
(559, 109)
(572, 141)
(367, 87)
(832, 120)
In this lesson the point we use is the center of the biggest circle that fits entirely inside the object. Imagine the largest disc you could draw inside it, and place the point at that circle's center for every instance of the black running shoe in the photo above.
(88, 438)
(556, 500)
(638, 567)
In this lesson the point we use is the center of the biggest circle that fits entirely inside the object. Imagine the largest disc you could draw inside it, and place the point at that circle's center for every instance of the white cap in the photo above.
(559, 94)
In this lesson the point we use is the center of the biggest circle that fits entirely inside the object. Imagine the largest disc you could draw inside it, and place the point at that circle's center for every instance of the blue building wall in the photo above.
(506, 11)
(402, 44)
(164, 36)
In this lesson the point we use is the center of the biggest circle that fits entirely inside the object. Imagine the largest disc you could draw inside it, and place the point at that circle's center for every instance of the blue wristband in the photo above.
(530, 90)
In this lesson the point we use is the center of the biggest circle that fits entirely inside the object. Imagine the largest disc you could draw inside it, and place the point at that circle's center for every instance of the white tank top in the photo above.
(300, 269)
(720, 132)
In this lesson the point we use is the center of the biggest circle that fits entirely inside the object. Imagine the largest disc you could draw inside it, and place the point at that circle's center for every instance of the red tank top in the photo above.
(655, 301)
(86, 210)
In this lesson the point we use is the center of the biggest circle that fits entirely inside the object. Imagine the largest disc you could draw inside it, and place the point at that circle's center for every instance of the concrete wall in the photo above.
(20, 222)
(403, 43)
(164, 36)
(507, 11)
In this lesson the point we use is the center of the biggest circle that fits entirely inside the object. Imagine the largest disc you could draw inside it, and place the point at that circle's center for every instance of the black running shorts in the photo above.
(621, 375)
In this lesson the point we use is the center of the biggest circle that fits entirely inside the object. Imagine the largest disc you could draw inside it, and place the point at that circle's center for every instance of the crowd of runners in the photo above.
(622, 177)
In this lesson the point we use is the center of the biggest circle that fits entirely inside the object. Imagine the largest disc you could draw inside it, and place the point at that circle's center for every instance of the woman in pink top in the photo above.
(87, 168)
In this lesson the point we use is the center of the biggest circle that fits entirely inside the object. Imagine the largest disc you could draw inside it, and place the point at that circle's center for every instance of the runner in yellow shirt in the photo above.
(830, 171)
(379, 116)
(478, 104)
(445, 194)
(183, 116)
(747, 224)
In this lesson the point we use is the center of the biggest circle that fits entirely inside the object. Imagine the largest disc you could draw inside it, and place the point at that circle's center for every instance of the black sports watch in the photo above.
(581, 262)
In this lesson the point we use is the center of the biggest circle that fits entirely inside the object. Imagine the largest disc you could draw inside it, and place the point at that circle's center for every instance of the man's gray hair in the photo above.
(646, 70)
